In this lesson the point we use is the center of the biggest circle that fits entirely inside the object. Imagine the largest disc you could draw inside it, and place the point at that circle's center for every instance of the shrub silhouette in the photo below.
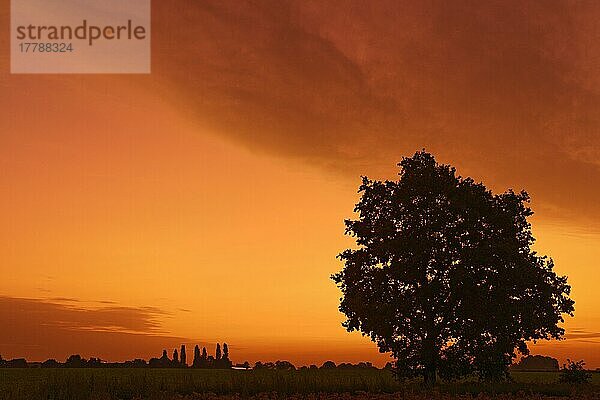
(536, 363)
(15, 363)
(50, 363)
(284, 366)
(162, 362)
(328, 365)
(75, 361)
(94, 362)
(574, 372)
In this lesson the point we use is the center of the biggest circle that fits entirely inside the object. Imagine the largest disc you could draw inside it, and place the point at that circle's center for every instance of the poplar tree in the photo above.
(225, 351)
(196, 361)
(218, 352)
(183, 356)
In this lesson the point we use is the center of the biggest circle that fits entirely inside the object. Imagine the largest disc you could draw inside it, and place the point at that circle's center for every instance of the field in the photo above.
(338, 384)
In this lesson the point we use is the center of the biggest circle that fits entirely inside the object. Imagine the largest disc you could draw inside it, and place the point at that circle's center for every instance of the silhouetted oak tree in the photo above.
(444, 277)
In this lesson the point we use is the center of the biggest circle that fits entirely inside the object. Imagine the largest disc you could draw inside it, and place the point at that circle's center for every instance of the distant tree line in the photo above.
(288, 366)
(178, 360)
(536, 363)
(221, 360)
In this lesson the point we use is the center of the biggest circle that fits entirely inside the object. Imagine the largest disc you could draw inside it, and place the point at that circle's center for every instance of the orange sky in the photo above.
(204, 202)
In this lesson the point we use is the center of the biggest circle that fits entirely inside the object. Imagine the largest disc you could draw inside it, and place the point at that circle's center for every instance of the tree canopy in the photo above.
(443, 275)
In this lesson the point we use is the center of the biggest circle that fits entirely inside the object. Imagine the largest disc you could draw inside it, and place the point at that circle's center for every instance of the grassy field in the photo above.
(165, 384)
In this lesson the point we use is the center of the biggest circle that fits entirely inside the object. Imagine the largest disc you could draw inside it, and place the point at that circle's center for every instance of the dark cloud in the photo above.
(58, 315)
(46, 328)
(578, 334)
(506, 90)
(64, 299)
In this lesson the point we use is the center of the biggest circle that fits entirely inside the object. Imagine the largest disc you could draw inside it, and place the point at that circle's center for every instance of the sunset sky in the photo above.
(205, 201)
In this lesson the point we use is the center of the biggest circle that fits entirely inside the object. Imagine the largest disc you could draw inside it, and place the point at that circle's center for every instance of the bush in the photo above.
(574, 372)
(328, 365)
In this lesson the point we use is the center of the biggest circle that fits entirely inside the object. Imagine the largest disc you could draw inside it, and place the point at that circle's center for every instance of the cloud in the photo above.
(507, 90)
(42, 326)
(64, 299)
(579, 334)
(53, 314)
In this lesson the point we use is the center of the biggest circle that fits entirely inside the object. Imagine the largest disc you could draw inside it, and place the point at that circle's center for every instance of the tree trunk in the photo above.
(430, 357)
(430, 375)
